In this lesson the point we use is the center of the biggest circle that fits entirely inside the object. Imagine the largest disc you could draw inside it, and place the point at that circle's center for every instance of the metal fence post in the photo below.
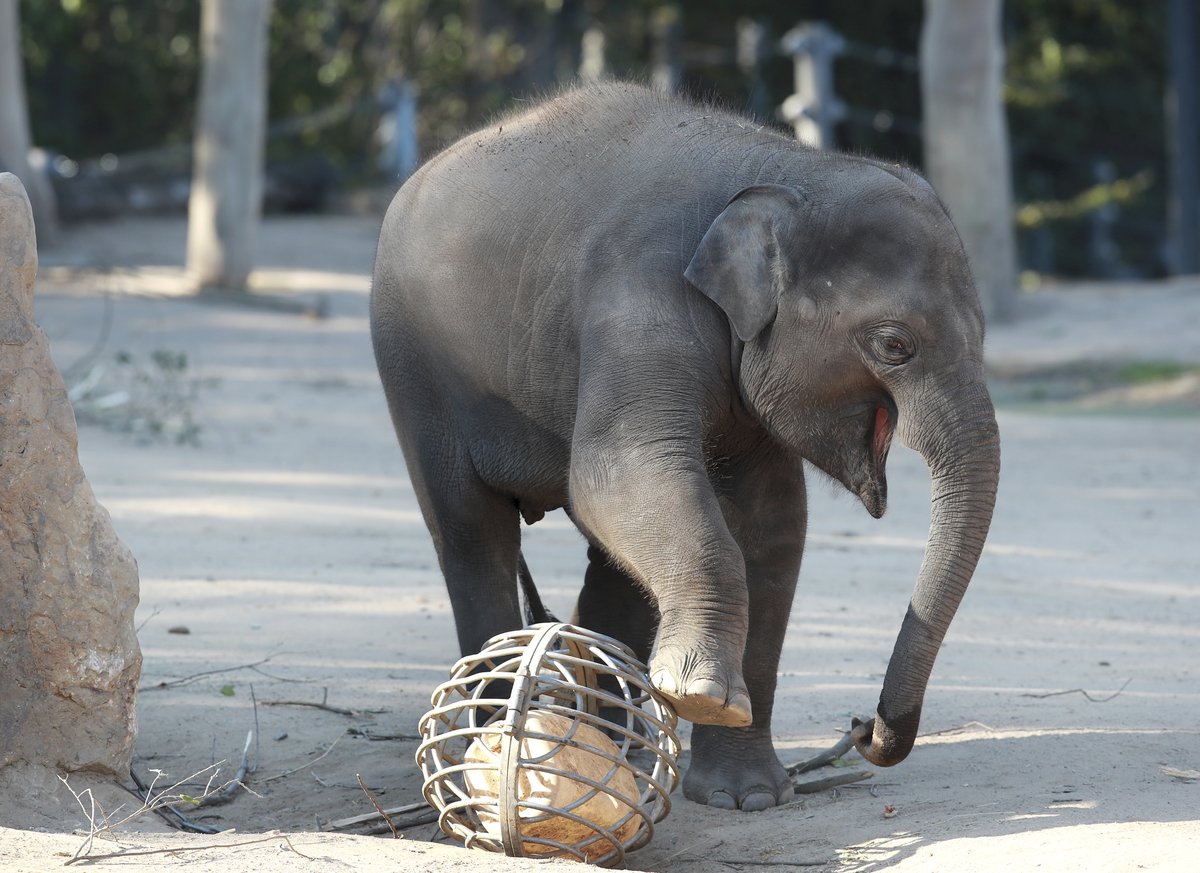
(398, 149)
(667, 28)
(1183, 138)
(751, 55)
(814, 109)
(591, 54)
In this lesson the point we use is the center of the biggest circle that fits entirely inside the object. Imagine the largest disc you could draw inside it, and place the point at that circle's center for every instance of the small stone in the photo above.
(179, 629)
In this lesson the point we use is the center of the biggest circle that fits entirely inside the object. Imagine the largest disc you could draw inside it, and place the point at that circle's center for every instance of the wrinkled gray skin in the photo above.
(648, 312)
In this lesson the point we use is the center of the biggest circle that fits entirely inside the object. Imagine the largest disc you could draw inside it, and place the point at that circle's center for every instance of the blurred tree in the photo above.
(14, 125)
(226, 197)
(966, 139)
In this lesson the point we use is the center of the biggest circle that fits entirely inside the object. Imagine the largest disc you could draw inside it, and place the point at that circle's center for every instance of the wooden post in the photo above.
(226, 196)
(1183, 147)
(814, 109)
(966, 140)
(15, 139)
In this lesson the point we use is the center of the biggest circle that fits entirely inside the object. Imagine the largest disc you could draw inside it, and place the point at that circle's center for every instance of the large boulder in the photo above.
(69, 656)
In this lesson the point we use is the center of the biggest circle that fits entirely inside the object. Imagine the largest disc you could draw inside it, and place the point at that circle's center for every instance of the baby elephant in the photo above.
(649, 312)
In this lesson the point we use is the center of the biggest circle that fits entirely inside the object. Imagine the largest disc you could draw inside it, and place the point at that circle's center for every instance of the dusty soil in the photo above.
(252, 470)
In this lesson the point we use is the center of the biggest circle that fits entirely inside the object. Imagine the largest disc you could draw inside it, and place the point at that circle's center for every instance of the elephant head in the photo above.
(854, 316)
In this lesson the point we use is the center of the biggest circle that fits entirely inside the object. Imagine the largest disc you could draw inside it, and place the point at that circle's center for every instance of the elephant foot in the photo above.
(727, 777)
(702, 690)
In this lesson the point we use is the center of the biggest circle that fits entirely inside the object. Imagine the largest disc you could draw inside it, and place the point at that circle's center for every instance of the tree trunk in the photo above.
(966, 139)
(226, 197)
(15, 140)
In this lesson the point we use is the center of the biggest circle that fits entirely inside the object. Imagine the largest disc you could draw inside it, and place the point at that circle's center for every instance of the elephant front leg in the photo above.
(737, 768)
(655, 513)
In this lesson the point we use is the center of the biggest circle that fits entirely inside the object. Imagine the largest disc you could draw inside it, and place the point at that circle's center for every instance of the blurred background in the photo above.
(359, 91)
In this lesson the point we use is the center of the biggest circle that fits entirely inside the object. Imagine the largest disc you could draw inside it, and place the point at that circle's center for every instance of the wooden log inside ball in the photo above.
(555, 790)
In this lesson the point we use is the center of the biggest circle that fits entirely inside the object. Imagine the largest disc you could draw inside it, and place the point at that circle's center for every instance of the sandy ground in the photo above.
(287, 536)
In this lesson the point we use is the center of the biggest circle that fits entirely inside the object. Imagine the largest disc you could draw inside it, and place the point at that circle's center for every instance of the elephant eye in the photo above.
(893, 347)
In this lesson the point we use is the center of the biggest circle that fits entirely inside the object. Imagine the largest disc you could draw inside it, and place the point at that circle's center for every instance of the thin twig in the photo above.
(186, 680)
(86, 846)
(169, 814)
(381, 737)
(375, 803)
(170, 850)
(228, 791)
(429, 816)
(146, 620)
(1084, 693)
(312, 704)
(278, 678)
(844, 745)
(819, 785)
(319, 757)
(150, 803)
(343, 823)
(294, 849)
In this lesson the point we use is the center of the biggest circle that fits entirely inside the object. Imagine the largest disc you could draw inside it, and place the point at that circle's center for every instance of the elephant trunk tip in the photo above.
(880, 742)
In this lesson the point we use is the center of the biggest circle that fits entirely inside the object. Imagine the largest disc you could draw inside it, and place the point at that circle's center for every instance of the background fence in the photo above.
(1084, 93)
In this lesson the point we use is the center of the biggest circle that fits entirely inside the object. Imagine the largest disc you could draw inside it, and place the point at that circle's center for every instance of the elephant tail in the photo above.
(535, 610)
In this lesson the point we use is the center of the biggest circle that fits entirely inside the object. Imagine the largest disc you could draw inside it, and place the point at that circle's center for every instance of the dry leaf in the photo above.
(889, 811)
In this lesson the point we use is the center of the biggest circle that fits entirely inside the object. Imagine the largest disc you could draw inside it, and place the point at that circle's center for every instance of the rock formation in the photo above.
(69, 657)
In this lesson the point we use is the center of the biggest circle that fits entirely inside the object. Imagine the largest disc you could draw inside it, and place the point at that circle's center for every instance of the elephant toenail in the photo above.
(664, 681)
(721, 800)
(758, 800)
(706, 688)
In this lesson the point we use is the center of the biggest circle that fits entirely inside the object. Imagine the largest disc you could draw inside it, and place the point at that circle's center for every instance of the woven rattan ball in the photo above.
(550, 743)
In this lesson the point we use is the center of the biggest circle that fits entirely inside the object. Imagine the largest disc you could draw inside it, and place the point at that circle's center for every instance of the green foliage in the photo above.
(226, 690)
(1145, 372)
(1085, 82)
(108, 76)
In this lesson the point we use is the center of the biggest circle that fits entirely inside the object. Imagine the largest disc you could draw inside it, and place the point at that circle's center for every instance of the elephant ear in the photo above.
(741, 264)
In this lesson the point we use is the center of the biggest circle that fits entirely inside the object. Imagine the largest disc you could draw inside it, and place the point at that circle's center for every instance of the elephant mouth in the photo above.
(881, 426)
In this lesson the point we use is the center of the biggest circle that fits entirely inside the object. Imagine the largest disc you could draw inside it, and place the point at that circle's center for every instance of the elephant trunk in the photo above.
(959, 440)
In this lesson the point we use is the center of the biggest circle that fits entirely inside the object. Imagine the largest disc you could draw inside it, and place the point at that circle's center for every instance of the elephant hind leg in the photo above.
(612, 603)
(478, 540)
(475, 528)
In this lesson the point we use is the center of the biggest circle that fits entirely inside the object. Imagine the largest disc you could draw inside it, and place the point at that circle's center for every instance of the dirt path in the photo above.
(288, 536)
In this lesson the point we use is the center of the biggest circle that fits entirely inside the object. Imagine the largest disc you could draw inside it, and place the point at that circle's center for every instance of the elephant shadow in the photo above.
(964, 798)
